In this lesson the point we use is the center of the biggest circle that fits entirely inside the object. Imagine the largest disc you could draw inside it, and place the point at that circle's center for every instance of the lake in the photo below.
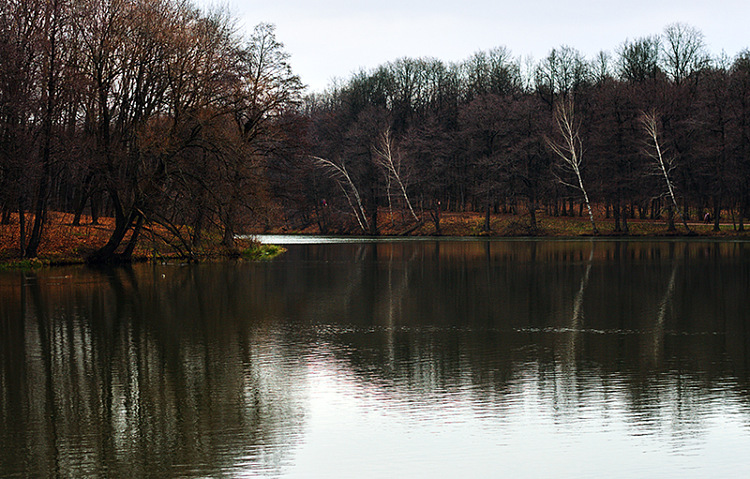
(362, 358)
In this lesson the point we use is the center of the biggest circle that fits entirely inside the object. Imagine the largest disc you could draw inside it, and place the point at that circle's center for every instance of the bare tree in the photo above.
(664, 165)
(638, 60)
(570, 150)
(339, 172)
(684, 51)
(392, 164)
(563, 72)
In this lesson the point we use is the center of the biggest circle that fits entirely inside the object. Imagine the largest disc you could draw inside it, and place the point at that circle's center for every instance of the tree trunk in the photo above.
(435, 213)
(670, 218)
(22, 227)
(82, 196)
(532, 213)
(717, 213)
(6, 215)
(616, 214)
(373, 204)
(487, 227)
(40, 212)
(228, 238)
(106, 254)
(96, 204)
(127, 254)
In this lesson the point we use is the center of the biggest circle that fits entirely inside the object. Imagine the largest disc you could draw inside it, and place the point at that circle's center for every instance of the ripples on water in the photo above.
(405, 359)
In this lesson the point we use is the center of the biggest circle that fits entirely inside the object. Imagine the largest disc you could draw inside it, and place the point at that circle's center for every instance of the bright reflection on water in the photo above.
(384, 359)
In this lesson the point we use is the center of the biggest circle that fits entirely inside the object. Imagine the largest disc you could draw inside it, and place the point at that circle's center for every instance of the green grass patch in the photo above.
(262, 252)
(22, 264)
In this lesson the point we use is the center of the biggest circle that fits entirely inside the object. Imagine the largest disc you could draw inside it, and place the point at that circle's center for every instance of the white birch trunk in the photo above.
(570, 151)
(384, 153)
(341, 175)
(650, 124)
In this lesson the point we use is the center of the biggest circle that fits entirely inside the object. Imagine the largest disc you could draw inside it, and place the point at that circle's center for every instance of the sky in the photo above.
(332, 39)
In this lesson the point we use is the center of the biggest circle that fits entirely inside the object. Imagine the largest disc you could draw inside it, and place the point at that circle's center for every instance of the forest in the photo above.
(168, 119)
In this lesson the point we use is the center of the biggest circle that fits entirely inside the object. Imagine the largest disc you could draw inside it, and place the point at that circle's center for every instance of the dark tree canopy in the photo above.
(159, 114)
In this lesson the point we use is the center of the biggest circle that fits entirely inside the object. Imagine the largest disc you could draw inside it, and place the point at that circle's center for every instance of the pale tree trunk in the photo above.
(570, 150)
(385, 156)
(662, 313)
(342, 177)
(650, 124)
(576, 320)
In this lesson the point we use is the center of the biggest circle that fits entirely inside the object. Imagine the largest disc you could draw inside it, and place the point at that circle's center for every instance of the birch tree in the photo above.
(339, 172)
(569, 150)
(665, 165)
(391, 163)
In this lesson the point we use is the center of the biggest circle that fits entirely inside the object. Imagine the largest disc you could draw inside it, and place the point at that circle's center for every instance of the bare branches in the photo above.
(684, 51)
(344, 180)
(650, 123)
(570, 150)
(391, 163)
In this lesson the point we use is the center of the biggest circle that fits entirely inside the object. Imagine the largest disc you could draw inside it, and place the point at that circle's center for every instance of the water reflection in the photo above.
(142, 372)
(423, 359)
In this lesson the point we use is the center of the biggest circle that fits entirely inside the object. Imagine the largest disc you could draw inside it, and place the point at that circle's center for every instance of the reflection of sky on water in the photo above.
(396, 359)
(536, 428)
(303, 239)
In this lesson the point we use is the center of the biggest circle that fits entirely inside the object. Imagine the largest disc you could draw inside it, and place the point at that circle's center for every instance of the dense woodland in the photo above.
(168, 119)
(656, 129)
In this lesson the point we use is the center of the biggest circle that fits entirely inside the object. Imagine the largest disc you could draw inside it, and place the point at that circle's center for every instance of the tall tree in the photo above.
(683, 51)
(664, 164)
(569, 150)
(562, 72)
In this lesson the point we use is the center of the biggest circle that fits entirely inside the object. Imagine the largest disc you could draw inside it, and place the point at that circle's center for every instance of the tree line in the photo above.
(152, 111)
(659, 128)
(166, 118)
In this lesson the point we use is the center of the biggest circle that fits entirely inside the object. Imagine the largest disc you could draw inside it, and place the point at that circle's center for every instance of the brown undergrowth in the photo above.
(64, 243)
(509, 225)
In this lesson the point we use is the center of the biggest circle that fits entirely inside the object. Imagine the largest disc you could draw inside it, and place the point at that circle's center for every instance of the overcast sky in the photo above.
(330, 39)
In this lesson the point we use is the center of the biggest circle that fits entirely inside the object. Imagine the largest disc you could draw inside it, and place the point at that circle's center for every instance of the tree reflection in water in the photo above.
(222, 368)
(143, 372)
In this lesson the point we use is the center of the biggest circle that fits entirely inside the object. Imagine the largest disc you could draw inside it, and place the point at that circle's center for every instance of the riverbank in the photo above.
(64, 243)
(509, 225)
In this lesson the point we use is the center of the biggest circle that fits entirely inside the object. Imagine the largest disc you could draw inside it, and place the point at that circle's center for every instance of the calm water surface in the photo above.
(385, 359)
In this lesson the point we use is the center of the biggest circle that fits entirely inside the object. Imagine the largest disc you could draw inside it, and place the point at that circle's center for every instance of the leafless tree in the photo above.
(562, 72)
(638, 60)
(665, 165)
(391, 163)
(339, 172)
(569, 150)
(684, 51)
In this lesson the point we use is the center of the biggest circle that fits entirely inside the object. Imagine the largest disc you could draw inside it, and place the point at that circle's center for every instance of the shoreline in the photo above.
(65, 244)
